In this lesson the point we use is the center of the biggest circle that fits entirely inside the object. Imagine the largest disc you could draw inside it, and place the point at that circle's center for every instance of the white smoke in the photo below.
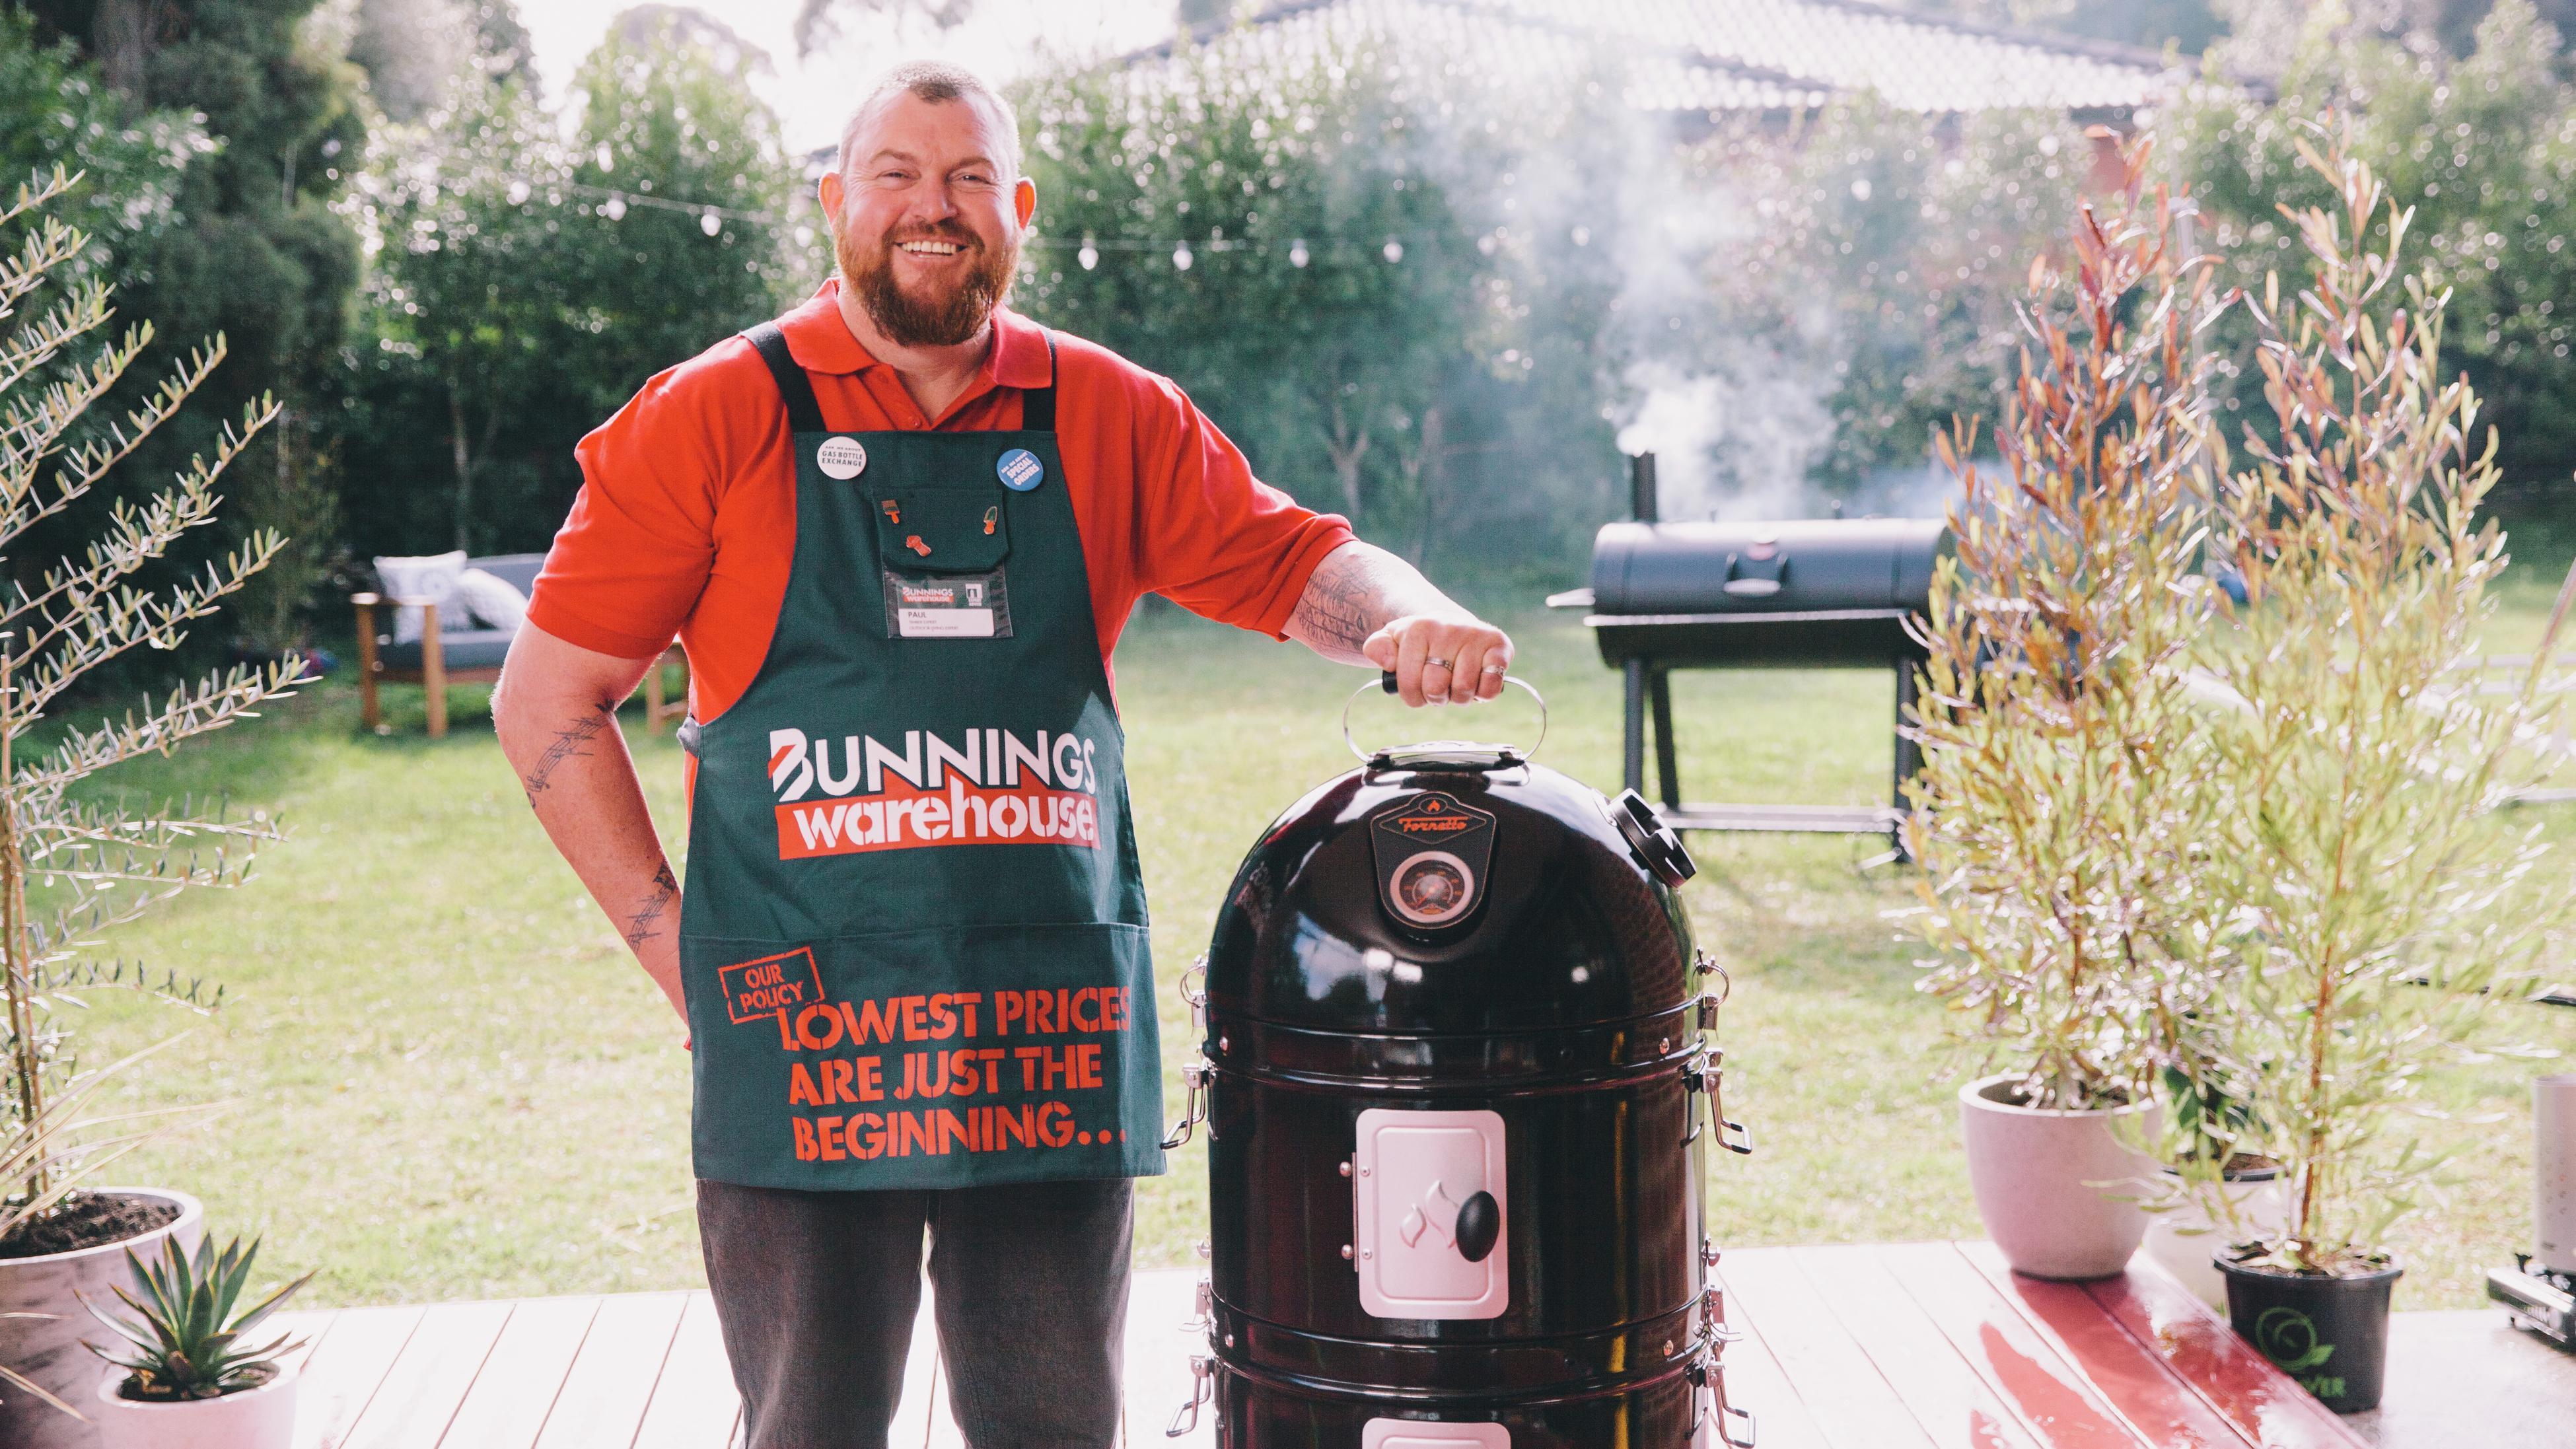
(1732, 441)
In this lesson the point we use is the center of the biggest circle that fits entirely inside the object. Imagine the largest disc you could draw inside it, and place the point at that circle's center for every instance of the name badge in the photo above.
(947, 606)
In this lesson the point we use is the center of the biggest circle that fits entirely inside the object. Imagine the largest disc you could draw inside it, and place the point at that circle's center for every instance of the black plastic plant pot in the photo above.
(2329, 1333)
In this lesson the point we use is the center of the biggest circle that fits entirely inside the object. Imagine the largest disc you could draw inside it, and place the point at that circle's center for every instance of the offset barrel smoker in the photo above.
(1811, 594)
(1457, 1042)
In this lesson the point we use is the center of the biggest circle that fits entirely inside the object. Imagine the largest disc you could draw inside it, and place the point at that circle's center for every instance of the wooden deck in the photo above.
(1913, 1346)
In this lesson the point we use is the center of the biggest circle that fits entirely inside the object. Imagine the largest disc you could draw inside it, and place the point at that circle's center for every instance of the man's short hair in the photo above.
(936, 80)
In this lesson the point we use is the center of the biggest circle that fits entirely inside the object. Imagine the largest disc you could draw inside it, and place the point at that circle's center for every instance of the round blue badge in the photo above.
(1020, 470)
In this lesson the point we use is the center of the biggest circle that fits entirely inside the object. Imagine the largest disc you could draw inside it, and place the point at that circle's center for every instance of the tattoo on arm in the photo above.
(570, 743)
(1353, 593)
(642, 926)
(1341, 606)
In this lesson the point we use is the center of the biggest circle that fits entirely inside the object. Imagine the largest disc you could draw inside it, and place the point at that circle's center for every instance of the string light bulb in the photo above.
(615, 210)
(1394, 250)
(1181, 257)
(518, 192)
(1298, 256)
(710, 223)
(1089, 256)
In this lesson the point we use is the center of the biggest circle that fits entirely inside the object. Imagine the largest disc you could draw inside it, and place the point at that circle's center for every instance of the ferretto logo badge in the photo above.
(1431, 851)
(770, 985)
(841, 458)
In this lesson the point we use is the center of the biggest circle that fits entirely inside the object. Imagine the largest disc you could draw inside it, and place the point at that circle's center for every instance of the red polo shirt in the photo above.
(686, 521)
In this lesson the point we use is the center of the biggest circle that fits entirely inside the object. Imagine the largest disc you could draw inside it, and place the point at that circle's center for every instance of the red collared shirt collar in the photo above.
(821, 342)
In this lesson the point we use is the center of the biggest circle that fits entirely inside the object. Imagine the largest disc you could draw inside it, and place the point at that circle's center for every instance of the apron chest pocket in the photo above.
(943, 530)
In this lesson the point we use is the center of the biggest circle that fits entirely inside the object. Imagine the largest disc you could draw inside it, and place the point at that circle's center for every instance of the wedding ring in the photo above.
(1443, 663)
(1493, 669)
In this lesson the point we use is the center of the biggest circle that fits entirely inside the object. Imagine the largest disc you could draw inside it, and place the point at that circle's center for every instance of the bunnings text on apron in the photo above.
(913, 932)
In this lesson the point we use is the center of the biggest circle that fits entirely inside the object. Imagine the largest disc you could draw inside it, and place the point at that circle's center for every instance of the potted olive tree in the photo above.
(72, 866)
(2054, 816)
(2378, 898)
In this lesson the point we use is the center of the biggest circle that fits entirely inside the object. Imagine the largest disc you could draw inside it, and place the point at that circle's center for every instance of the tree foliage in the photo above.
(1316, 252)
(2481, 148)
(525, 283)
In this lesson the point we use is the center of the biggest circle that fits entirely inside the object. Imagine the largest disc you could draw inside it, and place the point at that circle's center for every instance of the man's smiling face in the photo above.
(926, 217)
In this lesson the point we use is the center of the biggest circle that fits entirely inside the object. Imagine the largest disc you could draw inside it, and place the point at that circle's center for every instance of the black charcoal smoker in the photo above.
(1810, 594)
(1458, 1077)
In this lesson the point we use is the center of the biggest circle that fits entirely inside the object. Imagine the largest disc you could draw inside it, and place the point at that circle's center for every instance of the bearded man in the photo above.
(897, 532)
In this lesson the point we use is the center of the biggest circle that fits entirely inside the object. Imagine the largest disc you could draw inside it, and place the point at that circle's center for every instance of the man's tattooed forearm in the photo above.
(1342, 605)
(571, 742)
(641, 926)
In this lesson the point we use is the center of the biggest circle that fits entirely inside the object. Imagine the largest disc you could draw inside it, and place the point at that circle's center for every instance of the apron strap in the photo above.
(1037, 405)
(804, 415)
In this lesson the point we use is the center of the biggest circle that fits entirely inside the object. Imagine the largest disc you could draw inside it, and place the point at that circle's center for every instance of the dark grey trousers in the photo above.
(817, 1292)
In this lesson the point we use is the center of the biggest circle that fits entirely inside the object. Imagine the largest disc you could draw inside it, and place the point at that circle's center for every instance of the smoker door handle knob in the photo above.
(1480, 1222)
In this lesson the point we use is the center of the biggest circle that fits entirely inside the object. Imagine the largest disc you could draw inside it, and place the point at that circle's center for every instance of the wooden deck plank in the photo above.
(603, 1398)
(1755, 1384)
(1851, 1404)
(309, 1328)
(2225, 1370)
(2144, 1388)
(428, 1380)
(694, 1404)
(507, 1405)
(347, 1366)
(2052, 1396)
(1944, 1394)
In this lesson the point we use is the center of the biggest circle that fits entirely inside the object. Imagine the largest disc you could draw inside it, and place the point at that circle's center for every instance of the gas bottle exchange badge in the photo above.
(842, 458)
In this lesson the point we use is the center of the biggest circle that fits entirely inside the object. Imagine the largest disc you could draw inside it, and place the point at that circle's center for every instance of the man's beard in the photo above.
(942, 319)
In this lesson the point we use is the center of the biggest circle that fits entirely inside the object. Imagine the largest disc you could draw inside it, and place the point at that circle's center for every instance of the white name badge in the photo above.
(944, 623)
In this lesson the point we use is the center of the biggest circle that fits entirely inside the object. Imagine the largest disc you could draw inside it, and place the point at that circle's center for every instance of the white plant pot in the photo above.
(2057, 1187)
(49, 1350)
(2183, 1240)
(260, 1418)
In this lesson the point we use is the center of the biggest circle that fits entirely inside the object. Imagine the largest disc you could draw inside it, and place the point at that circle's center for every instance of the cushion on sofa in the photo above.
(423, 576)
(494, 601)
(460, 649)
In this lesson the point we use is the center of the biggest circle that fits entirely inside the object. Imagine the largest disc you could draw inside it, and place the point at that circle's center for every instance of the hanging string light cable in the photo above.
(1184, 251)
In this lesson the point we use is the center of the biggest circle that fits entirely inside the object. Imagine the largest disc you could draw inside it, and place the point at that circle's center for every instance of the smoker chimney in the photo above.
(1641, 487)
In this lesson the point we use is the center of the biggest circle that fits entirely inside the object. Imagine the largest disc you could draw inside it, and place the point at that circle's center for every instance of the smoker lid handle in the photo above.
(1454, 754)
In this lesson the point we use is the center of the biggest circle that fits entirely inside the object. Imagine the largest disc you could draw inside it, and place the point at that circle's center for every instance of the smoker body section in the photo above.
(1812, 594)
(1454, 1154)
(1794, 594)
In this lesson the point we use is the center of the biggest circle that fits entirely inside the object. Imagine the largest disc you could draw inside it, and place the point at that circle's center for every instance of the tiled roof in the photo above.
(1725, 55)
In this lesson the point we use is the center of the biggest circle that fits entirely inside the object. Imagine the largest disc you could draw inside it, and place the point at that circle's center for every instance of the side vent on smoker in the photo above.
(1655, 842)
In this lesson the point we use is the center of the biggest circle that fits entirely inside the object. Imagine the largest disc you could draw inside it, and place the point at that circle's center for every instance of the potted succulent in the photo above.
(186, 1377)
(2378, 898)
(71, 866)
(2047, 818)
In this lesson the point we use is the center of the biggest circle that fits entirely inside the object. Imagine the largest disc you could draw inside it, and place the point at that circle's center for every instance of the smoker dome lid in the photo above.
(1571, 923)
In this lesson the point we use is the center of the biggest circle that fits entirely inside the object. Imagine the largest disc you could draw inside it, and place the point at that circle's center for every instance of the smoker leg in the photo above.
(1909, 755)
(1632, 759)
(1660, 683)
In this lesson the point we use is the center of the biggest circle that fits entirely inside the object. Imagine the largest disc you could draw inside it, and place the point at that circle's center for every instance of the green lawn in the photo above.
(451, 1082)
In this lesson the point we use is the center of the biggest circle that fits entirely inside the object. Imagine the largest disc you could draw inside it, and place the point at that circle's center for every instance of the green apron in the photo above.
(913, 934)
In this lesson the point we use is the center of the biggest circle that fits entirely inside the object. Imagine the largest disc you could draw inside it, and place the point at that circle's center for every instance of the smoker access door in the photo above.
(1417, 1434)
(1427, 1199)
